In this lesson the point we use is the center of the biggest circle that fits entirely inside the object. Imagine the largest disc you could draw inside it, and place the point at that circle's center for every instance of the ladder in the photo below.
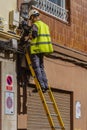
(45, 103)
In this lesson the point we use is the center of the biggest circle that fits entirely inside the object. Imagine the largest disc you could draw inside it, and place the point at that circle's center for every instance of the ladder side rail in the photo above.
(40, 91)
(56, 109)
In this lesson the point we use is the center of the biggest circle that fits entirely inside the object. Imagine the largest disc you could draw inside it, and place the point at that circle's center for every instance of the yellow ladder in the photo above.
(45, 103)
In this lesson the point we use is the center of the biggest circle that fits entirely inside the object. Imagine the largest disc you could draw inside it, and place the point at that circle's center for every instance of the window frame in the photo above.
(62, 3)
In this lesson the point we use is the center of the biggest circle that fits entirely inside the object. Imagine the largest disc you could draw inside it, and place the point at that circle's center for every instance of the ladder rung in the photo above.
(54, 114)
(49, 102)
(57, 127)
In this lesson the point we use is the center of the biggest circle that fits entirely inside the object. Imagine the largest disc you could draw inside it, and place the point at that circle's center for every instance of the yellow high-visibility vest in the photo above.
(42, 43)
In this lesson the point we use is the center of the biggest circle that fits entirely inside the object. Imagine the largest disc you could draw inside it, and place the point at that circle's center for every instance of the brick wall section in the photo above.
(74, 34)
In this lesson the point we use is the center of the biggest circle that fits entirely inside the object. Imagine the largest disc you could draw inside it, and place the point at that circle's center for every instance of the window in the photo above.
(59, 2)
(57, 8)
(62, 3)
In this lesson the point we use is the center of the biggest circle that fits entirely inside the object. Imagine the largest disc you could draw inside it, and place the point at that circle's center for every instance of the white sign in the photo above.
(9, 103)
(78, 109)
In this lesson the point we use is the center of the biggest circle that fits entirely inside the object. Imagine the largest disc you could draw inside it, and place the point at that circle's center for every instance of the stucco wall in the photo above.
(5, 7)
(70, 77)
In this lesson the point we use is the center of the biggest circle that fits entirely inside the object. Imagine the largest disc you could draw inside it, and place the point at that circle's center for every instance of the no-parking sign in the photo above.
(9, 82)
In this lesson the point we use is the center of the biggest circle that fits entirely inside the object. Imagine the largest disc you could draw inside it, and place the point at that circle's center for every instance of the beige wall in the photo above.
(9, 115)
(5, 7)
(70, 77)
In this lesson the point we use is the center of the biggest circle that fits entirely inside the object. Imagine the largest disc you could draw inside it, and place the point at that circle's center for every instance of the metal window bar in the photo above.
(53, 9)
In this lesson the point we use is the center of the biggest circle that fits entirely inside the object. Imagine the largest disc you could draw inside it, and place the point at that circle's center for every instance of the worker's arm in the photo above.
(33, 34)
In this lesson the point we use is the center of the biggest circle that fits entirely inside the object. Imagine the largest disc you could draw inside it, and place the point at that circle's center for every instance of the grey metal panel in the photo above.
(63, 102)
(37, 118)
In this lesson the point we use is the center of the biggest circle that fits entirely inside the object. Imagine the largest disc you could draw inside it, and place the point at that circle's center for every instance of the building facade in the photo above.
(8, 81)
(66, 68)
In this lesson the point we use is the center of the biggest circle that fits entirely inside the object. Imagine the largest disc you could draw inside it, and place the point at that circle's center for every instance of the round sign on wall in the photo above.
(9, 102)
(9, 80)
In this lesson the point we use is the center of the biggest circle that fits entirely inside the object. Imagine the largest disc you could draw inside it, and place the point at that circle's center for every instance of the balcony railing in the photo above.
(53, 9)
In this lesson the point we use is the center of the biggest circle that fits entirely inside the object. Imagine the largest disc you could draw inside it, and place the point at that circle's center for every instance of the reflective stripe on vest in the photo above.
(42, 43)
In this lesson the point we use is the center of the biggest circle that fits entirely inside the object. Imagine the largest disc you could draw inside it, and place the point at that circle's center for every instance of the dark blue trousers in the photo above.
(38, 66)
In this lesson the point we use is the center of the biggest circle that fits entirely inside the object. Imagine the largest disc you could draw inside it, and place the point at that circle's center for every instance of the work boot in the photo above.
(44, 89)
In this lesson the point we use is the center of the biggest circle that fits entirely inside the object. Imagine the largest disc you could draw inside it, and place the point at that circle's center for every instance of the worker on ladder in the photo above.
(40, 45)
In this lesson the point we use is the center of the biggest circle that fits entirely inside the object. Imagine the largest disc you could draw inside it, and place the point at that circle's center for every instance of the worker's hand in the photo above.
(26, 38)
(18, 32)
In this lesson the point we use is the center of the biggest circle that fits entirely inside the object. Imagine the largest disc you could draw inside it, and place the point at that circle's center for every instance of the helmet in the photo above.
(33, 12)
